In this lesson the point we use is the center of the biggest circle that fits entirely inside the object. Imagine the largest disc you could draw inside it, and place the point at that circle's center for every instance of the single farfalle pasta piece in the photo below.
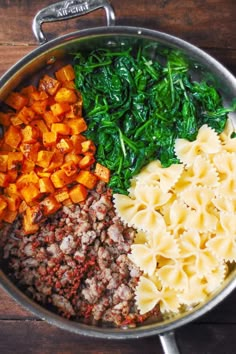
(223, 244)
(177, 217)
(159, 243)
(199, 200)
(173, 275)
(144, 205)
(202, 259)
(226, 167)
(206, 144)
(194, 293)
(224, 204)
(216, 277)
(201, 173)
(156, 175)
(148, 295)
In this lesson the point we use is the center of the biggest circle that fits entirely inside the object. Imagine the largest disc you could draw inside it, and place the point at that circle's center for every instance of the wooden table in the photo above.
(209, 24)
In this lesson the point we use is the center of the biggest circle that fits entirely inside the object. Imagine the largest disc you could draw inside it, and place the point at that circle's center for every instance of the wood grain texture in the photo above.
(209, 24)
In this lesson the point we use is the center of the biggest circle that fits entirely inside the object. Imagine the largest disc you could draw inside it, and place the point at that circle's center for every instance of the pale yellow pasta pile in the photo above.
(185, 217)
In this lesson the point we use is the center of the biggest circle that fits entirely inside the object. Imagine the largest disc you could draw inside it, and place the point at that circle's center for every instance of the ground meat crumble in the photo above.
(77, 262)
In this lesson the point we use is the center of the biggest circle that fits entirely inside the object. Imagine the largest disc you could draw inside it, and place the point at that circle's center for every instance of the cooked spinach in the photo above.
(136, 108)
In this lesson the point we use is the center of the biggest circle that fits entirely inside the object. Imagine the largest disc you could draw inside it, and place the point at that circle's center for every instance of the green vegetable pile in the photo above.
(136, 108)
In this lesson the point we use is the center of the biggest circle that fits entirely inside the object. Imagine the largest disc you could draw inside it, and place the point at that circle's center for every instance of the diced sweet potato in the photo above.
(87, 179)
(27, 166)
(72, 156)
(45, 185)
(60, 128)
(30, 151)
(44, 158)
(9, 216)
(11, 189)
(16, 100)
(30, 193)
(50, 118)
(30, 134)
(77, 125)
(49, 139)
(50, 205)
(69, 168)
(88, 146)
(4, 179)
(65, 95)
(59, 179)
(5, 119)
(26, 179)
(86, 161)
(13, 136)
(31, 216)
(75, 110)
(66, 73)
(15, 120)
(13, 202)
(77, 140)
(78, 193)
(49, 84)
(102, 172)
(3, 161)
(61, 194)
(15, 160)
(65, 145)
(39, 107)
(26, 115)
(56, 162)
(60, 108)
(3, 204)
(23, 206)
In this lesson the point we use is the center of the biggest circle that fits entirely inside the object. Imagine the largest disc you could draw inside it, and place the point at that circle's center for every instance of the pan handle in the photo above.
(168, 343)
(64, 10)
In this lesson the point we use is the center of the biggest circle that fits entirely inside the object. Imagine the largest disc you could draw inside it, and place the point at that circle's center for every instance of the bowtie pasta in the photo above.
(185, 217)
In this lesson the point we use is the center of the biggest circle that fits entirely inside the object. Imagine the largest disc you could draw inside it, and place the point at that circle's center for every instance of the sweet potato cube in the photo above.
(15, 120)
(50, 205)
(30, 134)
(88, 146)
(16, 100)
(49, 84)
(3, 204)
(77, 140)
(86, 161)
(9, 216)
(59, 179)
(69, 168)
(43, 174)
(27, 166)
(44, 158)
(5, 119)
(77, 125)
(26, 179)
(67, 202)
(3, 161)
(13, 136)
(66, 73)
(30, 192)
(65, 145)
(102, 172)
(61, 195)
(30, 218)
(45, 185)
(26, 115)
(75, 110)
(40, 125)
(57, 161)
(23, 206)
(12, 174)
(60, 108)
(49, 139)
(39, 95)
(30, 151)
(15, 160)
(39, 107)
(4, 179)
(50, 118)
(26, 91)
(78, 193)
(87, 179)
(65, 95)
(13, 202)
(72, 156)
(11, 189)
(69, 84)
(60, 128)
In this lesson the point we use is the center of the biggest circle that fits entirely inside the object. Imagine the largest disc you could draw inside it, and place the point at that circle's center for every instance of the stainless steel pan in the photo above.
(50, 55)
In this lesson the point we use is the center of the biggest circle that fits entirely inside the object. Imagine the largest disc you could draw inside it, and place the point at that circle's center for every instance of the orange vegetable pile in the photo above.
(45, 161)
